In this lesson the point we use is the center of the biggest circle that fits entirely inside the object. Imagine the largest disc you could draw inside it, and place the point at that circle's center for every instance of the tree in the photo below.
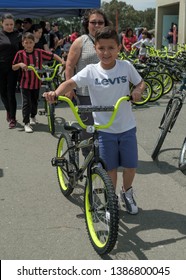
(125, 15)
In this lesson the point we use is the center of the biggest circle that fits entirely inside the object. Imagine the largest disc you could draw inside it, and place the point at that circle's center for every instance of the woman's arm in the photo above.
(72, 60)
(73, 57)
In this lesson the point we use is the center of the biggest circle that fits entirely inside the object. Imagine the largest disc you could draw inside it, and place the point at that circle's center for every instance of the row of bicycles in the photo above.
(166, 73)
(162, 75)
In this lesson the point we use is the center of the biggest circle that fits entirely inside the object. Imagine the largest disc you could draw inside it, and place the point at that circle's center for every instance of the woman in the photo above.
(128, 39)
(143, 44)
(40, 41)
(10, 43)
(81, 53)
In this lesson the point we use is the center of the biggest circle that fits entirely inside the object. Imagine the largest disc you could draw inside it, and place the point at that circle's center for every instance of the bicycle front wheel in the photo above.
(101, 211)
(51, 117)
(65, 171)
(166, 125)
(182, 157)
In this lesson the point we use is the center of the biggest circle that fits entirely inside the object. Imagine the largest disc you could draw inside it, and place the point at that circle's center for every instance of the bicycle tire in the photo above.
(167, 81)
(182, 157)
(51, 113)
(157, 88)
(146, 95)
(51, 117)
(102, 212)
(65, 172)
(169, 118)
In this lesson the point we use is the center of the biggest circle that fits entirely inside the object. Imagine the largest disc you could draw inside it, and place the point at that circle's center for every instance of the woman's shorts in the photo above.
(119, 149)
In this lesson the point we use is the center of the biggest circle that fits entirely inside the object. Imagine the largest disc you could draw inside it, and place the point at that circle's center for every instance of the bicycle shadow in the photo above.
(77, 198)
(1, 173)
(129, 241)
(165, 166)
(149, 167)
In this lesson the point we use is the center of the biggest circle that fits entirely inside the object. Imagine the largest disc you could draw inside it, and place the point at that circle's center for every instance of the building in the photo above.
(168, 11)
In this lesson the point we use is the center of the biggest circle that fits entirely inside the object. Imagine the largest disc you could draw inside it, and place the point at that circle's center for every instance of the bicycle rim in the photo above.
(167, 81)
(146, 95)
(101, 215)
(169, 118)
(182, 157)
(65, 172)
(157, 88)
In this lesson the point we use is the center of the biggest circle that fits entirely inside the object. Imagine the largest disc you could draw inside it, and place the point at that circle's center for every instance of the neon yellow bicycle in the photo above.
(48, 76)
(100, 200)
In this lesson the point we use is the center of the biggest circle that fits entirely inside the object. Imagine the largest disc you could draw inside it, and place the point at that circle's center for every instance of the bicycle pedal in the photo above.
(58, 161)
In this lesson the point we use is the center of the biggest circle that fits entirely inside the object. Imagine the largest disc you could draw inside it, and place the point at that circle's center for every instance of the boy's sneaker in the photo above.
(12, 123)
(129, 201)
(28, 128)
(33, 121)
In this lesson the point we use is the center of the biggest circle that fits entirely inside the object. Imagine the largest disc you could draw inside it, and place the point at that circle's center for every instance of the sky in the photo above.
(138, 4)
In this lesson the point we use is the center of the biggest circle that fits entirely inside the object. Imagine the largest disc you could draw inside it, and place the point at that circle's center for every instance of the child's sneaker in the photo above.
(129, 201)
(28, 128)
(33, 121)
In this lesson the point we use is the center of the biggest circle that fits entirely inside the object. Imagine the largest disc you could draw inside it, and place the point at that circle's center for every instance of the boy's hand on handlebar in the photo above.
(50, 96)
(23, 66)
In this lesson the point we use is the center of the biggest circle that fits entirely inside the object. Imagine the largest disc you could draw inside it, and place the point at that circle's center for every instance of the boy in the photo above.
(108, 81)
(30, 84)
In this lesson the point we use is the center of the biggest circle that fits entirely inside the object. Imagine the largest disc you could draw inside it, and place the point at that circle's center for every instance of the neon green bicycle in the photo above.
(100, 200)
(48, 76)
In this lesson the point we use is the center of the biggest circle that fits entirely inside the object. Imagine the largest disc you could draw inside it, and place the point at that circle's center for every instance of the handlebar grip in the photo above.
(90, 109)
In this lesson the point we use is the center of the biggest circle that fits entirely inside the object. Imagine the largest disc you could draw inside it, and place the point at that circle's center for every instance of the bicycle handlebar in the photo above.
(45, 70)
(91, 108)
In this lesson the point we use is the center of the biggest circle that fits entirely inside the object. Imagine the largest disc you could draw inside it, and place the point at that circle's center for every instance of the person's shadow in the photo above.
(147, 220)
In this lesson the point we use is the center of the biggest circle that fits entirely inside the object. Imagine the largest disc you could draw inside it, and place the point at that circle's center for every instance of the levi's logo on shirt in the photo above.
(109, 81)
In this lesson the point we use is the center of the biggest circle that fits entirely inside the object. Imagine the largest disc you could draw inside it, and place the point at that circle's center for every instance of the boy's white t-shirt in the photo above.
(106, 87)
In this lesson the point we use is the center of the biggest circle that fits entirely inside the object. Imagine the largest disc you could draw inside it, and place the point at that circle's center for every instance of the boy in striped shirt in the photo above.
(30, 85)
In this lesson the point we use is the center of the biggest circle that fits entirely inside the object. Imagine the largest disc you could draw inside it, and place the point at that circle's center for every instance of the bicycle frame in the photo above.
(93, 156)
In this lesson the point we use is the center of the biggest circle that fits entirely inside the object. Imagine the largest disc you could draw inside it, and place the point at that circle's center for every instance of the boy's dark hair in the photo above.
(28, 35)
(107, 32)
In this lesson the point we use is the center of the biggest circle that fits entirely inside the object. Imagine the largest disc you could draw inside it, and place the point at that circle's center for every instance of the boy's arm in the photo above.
(18, 66)
(61, 90)
(137, 91)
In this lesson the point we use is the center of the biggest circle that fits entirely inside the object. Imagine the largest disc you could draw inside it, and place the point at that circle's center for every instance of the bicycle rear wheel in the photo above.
(182, 157)
(166, 125)
(65, 170)
(101, 211)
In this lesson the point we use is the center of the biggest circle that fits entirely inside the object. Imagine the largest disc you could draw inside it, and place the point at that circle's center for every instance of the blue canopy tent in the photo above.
(47, 8)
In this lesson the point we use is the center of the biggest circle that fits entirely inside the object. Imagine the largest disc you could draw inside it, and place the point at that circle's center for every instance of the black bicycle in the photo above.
(100, 200)
(170, 115)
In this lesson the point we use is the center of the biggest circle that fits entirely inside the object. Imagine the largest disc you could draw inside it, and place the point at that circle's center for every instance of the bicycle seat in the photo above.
(72, 126)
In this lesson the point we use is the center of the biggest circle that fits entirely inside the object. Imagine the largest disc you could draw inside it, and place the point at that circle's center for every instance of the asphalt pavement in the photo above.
(38, 222)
